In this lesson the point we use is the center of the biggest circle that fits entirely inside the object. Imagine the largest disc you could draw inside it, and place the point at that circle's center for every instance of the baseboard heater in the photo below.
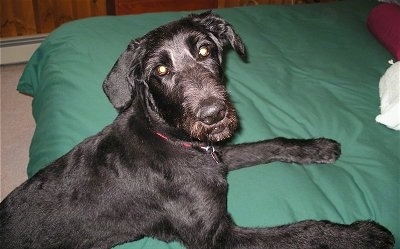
(19, 49)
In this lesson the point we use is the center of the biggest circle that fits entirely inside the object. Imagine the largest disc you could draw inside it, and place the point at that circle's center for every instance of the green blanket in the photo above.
(312, 71)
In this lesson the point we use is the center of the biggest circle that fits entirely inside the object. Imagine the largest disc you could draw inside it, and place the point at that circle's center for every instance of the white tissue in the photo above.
(389, 92)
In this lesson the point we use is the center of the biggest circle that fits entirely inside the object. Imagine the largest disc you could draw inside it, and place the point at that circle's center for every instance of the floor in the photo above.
(17, 127)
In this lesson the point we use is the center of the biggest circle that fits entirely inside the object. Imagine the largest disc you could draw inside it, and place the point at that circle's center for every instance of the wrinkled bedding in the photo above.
(313, 70)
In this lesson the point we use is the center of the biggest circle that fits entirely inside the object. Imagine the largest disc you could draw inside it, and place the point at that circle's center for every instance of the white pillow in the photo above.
(389, 92)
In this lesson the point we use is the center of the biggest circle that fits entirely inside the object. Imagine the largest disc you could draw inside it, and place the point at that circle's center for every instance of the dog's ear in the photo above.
(120, 81)
(221, 29)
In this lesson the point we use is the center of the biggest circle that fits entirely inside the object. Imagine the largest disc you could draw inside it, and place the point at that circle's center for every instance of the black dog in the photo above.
(153, 171)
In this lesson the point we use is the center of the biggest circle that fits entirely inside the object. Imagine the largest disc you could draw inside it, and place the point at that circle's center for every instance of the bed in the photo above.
(313, 70)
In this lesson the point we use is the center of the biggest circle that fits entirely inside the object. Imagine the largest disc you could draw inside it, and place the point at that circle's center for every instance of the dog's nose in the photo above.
(212, 113)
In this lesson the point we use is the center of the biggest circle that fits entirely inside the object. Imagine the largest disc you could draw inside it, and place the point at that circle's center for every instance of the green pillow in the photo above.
(312, 71)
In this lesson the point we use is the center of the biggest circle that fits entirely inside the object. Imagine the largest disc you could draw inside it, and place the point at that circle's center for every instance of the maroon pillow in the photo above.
(384, 23)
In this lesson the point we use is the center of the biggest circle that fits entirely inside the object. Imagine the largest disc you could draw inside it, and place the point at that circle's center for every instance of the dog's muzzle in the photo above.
(212, 112)
(215, 121)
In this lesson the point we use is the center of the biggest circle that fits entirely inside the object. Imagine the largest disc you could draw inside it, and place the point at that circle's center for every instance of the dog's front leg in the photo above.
(302, 151)
(312, 235)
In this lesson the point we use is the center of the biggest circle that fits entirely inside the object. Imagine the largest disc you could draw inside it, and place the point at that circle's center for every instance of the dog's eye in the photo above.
(162, 70)
(204, 51)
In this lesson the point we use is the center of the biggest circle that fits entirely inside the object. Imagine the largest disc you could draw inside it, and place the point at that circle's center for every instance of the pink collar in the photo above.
(207, 148)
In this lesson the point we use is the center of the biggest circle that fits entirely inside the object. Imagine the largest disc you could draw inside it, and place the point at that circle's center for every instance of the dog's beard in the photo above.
(222, 130)
(184, 114)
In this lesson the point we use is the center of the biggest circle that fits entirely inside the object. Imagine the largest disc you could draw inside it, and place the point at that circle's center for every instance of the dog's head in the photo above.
(180, 64)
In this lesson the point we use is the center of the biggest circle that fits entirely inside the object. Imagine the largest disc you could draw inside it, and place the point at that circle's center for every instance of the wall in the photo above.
(27, 17)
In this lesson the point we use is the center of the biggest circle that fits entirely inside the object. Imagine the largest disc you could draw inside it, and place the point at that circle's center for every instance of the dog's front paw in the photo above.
(324, 150)
(372, 235)
(318, 150)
